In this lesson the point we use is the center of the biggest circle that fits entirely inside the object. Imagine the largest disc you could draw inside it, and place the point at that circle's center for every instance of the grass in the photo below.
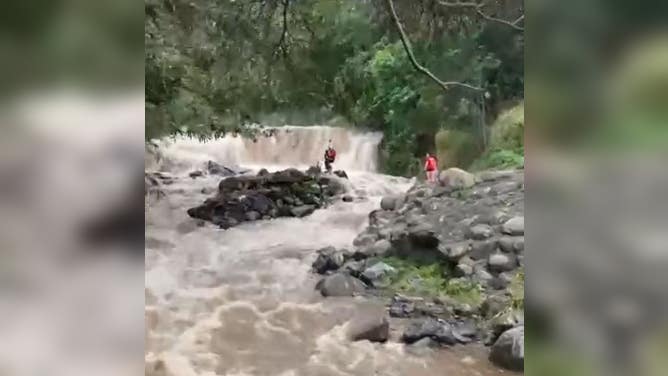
(516, 289)
(499, 159)
(431, 280)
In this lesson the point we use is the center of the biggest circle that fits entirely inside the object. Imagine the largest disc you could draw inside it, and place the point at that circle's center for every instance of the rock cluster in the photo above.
(287, 193)
(478, 231)
(472, 224)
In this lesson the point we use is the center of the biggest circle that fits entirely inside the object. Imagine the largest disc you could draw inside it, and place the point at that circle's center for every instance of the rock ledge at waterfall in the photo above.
(445, 257)
(286, 193)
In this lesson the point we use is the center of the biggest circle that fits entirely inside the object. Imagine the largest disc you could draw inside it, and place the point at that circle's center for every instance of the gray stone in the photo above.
(514, 226)
(507, 244)
(508, 350)
(455, 251)
(480, 232)
(378, 271)
(365, 239)
(481, 275)
(463, 270)
(401, 309)
(518, 245)
(501, 262)
(480, 250)
(340, 284)
(347, 198)
(437, 330)
(302, 211)
(328, 259)
(379, 248)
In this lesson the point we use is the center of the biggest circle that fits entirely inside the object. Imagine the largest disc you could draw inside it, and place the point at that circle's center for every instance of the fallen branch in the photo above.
(407, 47)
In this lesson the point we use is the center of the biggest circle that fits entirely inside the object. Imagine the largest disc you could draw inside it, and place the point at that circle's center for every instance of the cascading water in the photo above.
(242, 301)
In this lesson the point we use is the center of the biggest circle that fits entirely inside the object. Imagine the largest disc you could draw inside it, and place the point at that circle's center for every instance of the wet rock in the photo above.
(480, 232)
(465, 331)
(437, 330)
(508, 350)
(422, 347)
(340, 284)
(369, 326)
(514, 226)
(217, 169)
(328, 259)
(456, 178)
(401, 309)
(377, 272)
(365, 239)
(347, 198)
(302, 211)
(378, 248)
(196, 174)
(263, 172)
(354, 268)
(340, 173)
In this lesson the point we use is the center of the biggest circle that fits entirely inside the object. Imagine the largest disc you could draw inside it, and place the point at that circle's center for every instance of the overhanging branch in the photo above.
(478, 7)
(409, 51)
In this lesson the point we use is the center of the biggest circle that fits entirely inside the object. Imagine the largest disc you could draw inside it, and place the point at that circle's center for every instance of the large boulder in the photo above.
(370, 325)
(437, 330)
(508, 350)
(340, 284)
(456, 178)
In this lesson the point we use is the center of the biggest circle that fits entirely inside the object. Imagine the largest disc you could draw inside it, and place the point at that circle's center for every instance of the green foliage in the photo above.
(498, 159)
(456, 148)
(216, 66)
(431, 279)
(507, 132)
(417, 278)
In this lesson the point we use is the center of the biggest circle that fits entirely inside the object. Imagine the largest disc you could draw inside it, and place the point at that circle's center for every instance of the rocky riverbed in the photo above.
(447, 261)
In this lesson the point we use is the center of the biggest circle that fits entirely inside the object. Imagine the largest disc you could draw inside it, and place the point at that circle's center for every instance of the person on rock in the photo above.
(430, 167)
(330, 157)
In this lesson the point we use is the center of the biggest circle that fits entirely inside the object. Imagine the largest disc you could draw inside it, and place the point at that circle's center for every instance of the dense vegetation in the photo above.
(216, 66)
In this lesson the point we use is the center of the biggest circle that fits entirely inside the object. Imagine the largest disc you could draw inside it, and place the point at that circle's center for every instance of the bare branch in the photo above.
(494, 19)
(407, 47)
(281, 42)
(478, 9)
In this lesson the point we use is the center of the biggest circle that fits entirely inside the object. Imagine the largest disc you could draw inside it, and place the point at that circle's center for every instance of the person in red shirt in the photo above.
(430, 167)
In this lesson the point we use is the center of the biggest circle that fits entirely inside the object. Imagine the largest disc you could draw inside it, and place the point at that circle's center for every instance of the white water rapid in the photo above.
(242, 301)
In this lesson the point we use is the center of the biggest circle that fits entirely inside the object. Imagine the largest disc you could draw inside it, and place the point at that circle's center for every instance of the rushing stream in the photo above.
(242, 301)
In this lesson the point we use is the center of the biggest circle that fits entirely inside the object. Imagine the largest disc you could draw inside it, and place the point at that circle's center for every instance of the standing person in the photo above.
(430, 167)
(330, 157)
